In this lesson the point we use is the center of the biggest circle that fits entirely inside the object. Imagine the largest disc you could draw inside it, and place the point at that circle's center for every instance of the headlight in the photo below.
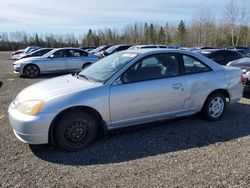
(30, 107)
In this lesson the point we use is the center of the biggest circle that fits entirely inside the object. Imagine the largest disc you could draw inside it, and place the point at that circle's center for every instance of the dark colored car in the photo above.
(115, 48)
(221, 57)
(37, 53)
(200, 48)
(245, 52)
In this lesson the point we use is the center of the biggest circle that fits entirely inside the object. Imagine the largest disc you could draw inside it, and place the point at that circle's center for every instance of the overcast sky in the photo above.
(77, 16)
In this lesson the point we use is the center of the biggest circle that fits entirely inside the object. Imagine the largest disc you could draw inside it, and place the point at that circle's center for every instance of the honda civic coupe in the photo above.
(126, 88)
(56, 61)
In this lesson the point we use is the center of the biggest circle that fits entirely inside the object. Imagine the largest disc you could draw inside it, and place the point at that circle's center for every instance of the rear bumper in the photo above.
(236, 93)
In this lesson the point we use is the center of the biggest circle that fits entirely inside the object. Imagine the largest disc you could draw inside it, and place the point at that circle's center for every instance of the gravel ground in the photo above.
(188, 152)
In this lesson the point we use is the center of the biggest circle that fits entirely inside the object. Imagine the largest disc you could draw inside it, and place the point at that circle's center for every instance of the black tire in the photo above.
(86, 65)
(75, 131)
(31, 71)
(213, 109)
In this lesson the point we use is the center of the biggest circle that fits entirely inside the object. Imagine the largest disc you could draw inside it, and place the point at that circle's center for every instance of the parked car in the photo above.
(123, 89)
(146, 46)
(99, 49)
(37, 53)
(221, 57)
(244, 64)
(56, 61)
(88, 48)
(17, 54)
(200, 48)
(113, 49)
(245, 52)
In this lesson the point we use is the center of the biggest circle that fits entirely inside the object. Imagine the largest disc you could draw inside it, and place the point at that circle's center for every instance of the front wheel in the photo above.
(31, 71)
(214, 107)
(76, 130)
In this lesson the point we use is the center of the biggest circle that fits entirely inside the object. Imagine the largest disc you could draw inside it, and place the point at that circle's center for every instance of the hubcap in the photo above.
(31, 71)
(77, 132)
(216, 107)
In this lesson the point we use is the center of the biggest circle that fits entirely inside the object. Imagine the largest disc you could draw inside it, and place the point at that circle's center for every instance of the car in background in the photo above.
(113, 49)
(17, 54)
(56, 61)
(88, 48)
(245, 52)
(200, 48)
(37, 53)
(126, 88)
(146, 46)
(99, 49)
(244, 64)
(221, 57)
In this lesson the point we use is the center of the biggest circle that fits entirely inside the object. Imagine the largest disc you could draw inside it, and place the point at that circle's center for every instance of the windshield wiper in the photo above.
(83, 76)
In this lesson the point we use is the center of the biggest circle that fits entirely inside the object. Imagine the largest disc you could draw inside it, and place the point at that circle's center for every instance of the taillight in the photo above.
(241, 79)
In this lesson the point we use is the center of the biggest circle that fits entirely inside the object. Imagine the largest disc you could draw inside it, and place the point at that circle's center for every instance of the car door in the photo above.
(199, 82)
(74, 60)
(56, 62)
(150, 89)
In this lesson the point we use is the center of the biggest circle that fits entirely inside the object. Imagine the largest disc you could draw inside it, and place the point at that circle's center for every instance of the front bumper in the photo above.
(17, 69)
(31, 129)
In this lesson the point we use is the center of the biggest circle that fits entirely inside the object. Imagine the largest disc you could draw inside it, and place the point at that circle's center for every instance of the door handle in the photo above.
(177, 85)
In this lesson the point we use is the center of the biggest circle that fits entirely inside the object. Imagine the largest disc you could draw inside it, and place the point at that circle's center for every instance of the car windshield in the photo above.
(111, 49)
(105, 68)
(50, 53)
(97, 49)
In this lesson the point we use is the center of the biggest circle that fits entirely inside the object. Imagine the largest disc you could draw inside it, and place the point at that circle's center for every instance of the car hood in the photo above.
(61, 85)
(29, 59)
(244, 62)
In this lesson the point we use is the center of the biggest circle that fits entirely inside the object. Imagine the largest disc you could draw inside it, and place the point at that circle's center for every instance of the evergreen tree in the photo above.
(161, 38)
(181, 33)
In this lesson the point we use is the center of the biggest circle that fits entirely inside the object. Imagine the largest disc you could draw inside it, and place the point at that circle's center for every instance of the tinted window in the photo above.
(122, 48)
(153, 67)
(192, 65)
(149, 47)
(234, 55)
(41, 52)
(59, 53)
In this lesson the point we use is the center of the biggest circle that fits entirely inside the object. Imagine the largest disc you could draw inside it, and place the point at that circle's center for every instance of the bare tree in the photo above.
(232, 12)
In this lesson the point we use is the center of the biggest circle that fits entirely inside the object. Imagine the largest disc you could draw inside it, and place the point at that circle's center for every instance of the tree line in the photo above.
(204, 30)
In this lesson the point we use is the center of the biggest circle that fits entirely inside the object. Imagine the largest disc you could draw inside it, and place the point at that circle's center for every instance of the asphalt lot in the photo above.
(188, 152)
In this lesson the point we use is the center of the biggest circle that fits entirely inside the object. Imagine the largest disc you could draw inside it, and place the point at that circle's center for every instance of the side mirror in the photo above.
(119, 81)
(51, 56)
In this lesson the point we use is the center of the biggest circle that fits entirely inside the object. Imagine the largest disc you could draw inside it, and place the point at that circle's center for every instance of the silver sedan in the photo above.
(56, 61)
(124, 89)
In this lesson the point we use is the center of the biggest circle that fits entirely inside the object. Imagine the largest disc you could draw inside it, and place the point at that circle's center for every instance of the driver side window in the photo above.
(59, 53)
(153, 67)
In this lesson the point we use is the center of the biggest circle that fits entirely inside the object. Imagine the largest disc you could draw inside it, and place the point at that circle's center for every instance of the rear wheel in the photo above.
(76, 130)
(214, 107)
(31, 71)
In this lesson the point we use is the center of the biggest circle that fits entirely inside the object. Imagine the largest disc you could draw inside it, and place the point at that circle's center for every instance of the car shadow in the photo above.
(154, 139)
